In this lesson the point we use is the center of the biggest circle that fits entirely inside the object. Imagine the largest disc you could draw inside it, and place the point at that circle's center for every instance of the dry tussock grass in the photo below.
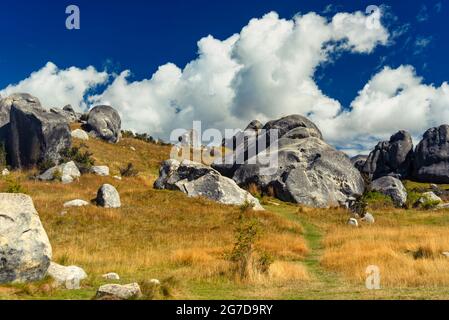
(407, 257)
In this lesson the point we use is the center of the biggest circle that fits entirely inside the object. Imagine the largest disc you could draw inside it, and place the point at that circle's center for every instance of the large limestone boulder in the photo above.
(198, 180)
(36, 134)
(358, 161)
(104, 122)
(108, 197)
(25, 251)
(393, 157)
(308, 171)
(391, 187)
(431, 161)
(80, 134)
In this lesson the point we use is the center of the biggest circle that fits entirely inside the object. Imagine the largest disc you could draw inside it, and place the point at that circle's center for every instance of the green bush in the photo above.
(14, 186)
(412, 198)
(82, 159)
(375, 198)
(45, 165)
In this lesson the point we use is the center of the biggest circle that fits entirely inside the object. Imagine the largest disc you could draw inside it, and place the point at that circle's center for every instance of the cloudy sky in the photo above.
(360, 73)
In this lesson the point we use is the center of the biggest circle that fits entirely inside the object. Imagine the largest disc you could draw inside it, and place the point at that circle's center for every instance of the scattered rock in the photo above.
(100, 170)
(132, 148)
(156, 282)
(353, 222)
(431, 161)
(446, 254)
(111, 276)
(80, 134)
(104, 122)
(36, 135)
(68, 172)
(392, 157)
(391, 187)
(368, 218)
(108, 197)
(117, 178)
(5, 172)
(70, 276)
(198, 180)
(125, 292)
(76, 203)
(25, 251)
(430, 196)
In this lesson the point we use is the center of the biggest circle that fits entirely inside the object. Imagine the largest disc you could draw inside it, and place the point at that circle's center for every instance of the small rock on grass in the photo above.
(70, 276)
(108, 197)
(111, 276)
(124, 292)
(76, 203)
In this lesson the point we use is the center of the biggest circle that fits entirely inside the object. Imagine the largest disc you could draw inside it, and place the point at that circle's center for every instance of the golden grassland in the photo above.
(185, 242)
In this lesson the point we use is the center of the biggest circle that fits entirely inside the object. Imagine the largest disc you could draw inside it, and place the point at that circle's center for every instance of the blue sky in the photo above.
(140, 36)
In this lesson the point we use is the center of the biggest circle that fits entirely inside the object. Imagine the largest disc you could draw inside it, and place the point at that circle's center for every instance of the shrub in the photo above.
(45, 165)
(83, 159)
(377, 199)
(430, 204)
(14, 186)
(412, 199)
(129, 171)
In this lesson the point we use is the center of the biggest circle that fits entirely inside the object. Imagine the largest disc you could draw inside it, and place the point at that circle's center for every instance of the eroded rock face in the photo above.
(391, 187)
(35, 135)
(25, 251)
(105, 123)
(198, 180)
(303, 126)
(309, 172)
(431, 161)
(359, 161)
(393, 157)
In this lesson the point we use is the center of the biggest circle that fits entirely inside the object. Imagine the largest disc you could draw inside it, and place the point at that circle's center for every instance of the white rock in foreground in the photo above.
(108, 197)
(125, 292)
(70, 276)
(76, 203)
(25, 251)
(5, 172)
(80, 134)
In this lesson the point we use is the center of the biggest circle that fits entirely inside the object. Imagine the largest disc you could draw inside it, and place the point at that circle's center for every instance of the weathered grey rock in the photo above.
(391, 187)
(76, 203)
(125, 292)
(359, 161)
(80, 134)
(25, 251)
(431, 161)
(67, 171)
(35, 134)
(105, 123)
(392, 157)
(430, 196)
(100, 170)
(111, 276)
(287, 124)
(70, 276)
(70, 117)
(198, 180)
(108, 197)
(368, 218)
(308, 171)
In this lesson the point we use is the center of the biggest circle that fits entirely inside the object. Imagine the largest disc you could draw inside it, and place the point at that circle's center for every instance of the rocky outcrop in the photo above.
(198, 180)
(108, 197)
(117, 291)
(66, 172)
(35, 135)
(393, 157)
(104, 122)
(431, 161)
(25, 251)
(391, 187)
(308, 171)
(100, 170)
